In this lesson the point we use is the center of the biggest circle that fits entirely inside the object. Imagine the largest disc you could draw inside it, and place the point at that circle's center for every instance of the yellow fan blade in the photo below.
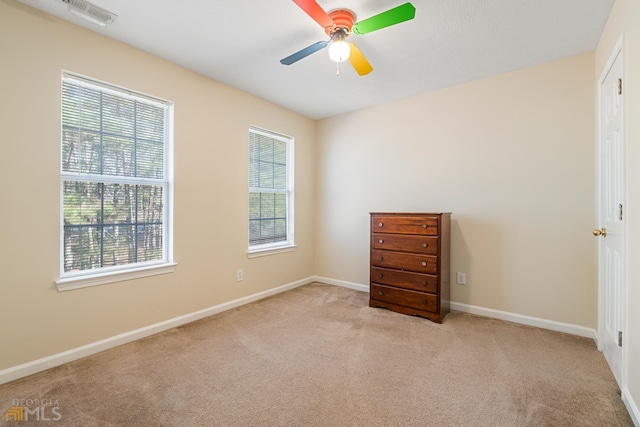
(359, 62)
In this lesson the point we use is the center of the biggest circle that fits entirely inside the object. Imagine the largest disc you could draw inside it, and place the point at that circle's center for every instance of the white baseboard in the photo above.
(20, 371)
(631, 407)
(342, 283)
(526, 320)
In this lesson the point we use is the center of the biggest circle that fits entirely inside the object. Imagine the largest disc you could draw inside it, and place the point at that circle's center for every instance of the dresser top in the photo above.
(409, 213)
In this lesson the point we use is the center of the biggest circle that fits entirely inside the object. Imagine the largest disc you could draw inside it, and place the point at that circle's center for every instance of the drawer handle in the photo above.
(380, 258)
(424, 263)
(424, 245)
(425, 225)
(380, 224)
(425, 302)
(379, 292)
(381, 241)
(425, 283)
(380, 275)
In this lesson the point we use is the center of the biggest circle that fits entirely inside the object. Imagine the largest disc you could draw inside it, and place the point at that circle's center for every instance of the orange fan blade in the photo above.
(358, 61)
(314, 10)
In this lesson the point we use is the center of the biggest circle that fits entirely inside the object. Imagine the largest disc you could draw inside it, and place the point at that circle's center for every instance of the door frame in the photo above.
(617, 51)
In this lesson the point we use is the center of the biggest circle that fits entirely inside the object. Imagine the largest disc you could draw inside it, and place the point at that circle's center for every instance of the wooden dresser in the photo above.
(410, 263)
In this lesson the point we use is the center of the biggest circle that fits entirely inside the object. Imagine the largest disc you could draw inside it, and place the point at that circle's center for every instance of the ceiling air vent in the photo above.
(91, 12)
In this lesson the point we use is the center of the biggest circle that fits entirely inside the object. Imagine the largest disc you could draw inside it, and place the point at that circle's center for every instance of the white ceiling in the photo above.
(240, 43)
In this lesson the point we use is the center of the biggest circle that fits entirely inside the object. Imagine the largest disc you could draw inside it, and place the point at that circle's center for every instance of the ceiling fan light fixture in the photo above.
(339, 49)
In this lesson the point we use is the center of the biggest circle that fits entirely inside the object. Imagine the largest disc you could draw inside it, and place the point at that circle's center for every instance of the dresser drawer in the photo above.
(405, 243)
(419, 263)
(405, 297)
(404, 279)
(425, 225)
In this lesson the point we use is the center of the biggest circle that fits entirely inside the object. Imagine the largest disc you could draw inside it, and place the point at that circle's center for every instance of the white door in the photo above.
(611, 215)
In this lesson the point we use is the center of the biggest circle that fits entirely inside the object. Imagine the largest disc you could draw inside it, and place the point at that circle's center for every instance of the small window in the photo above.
(270, 190)
(116, 182)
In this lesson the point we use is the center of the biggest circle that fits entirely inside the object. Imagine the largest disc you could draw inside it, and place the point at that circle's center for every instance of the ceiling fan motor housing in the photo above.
(343, 19)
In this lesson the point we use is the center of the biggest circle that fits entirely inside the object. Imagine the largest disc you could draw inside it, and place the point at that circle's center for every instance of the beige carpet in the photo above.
(319, 356)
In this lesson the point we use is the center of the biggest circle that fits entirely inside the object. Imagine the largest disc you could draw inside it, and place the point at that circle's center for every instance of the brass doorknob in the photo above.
(598, 232)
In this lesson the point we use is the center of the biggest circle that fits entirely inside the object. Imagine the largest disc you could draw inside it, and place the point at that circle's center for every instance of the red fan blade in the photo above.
(314, 10)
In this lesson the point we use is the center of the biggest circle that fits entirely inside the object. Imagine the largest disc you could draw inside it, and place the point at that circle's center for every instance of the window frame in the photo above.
(289, 244)
(103, 275)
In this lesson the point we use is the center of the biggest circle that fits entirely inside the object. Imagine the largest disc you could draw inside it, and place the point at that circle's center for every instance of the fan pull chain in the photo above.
(337, 68)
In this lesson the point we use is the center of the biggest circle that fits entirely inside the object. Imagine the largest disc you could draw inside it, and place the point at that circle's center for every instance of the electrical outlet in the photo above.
(461, 278)
(239, 275)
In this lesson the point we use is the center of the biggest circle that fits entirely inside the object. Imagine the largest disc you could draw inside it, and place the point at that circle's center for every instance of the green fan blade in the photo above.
(391, 17)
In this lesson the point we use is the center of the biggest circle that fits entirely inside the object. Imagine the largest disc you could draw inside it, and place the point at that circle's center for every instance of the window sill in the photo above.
(270, 251)
(69, 283)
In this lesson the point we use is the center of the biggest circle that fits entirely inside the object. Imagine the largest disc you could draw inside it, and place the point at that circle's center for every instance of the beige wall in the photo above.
(211, 138)
(512, 157)
(623, 22)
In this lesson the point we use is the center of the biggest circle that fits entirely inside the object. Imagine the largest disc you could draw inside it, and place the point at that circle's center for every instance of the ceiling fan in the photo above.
(339, 24)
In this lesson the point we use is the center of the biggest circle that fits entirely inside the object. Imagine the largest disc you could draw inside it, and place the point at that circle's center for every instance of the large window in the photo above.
(270, 190)
(116, 182)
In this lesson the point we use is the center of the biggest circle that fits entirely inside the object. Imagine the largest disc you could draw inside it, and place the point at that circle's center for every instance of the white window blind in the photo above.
(270, 190)
(115, 178)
